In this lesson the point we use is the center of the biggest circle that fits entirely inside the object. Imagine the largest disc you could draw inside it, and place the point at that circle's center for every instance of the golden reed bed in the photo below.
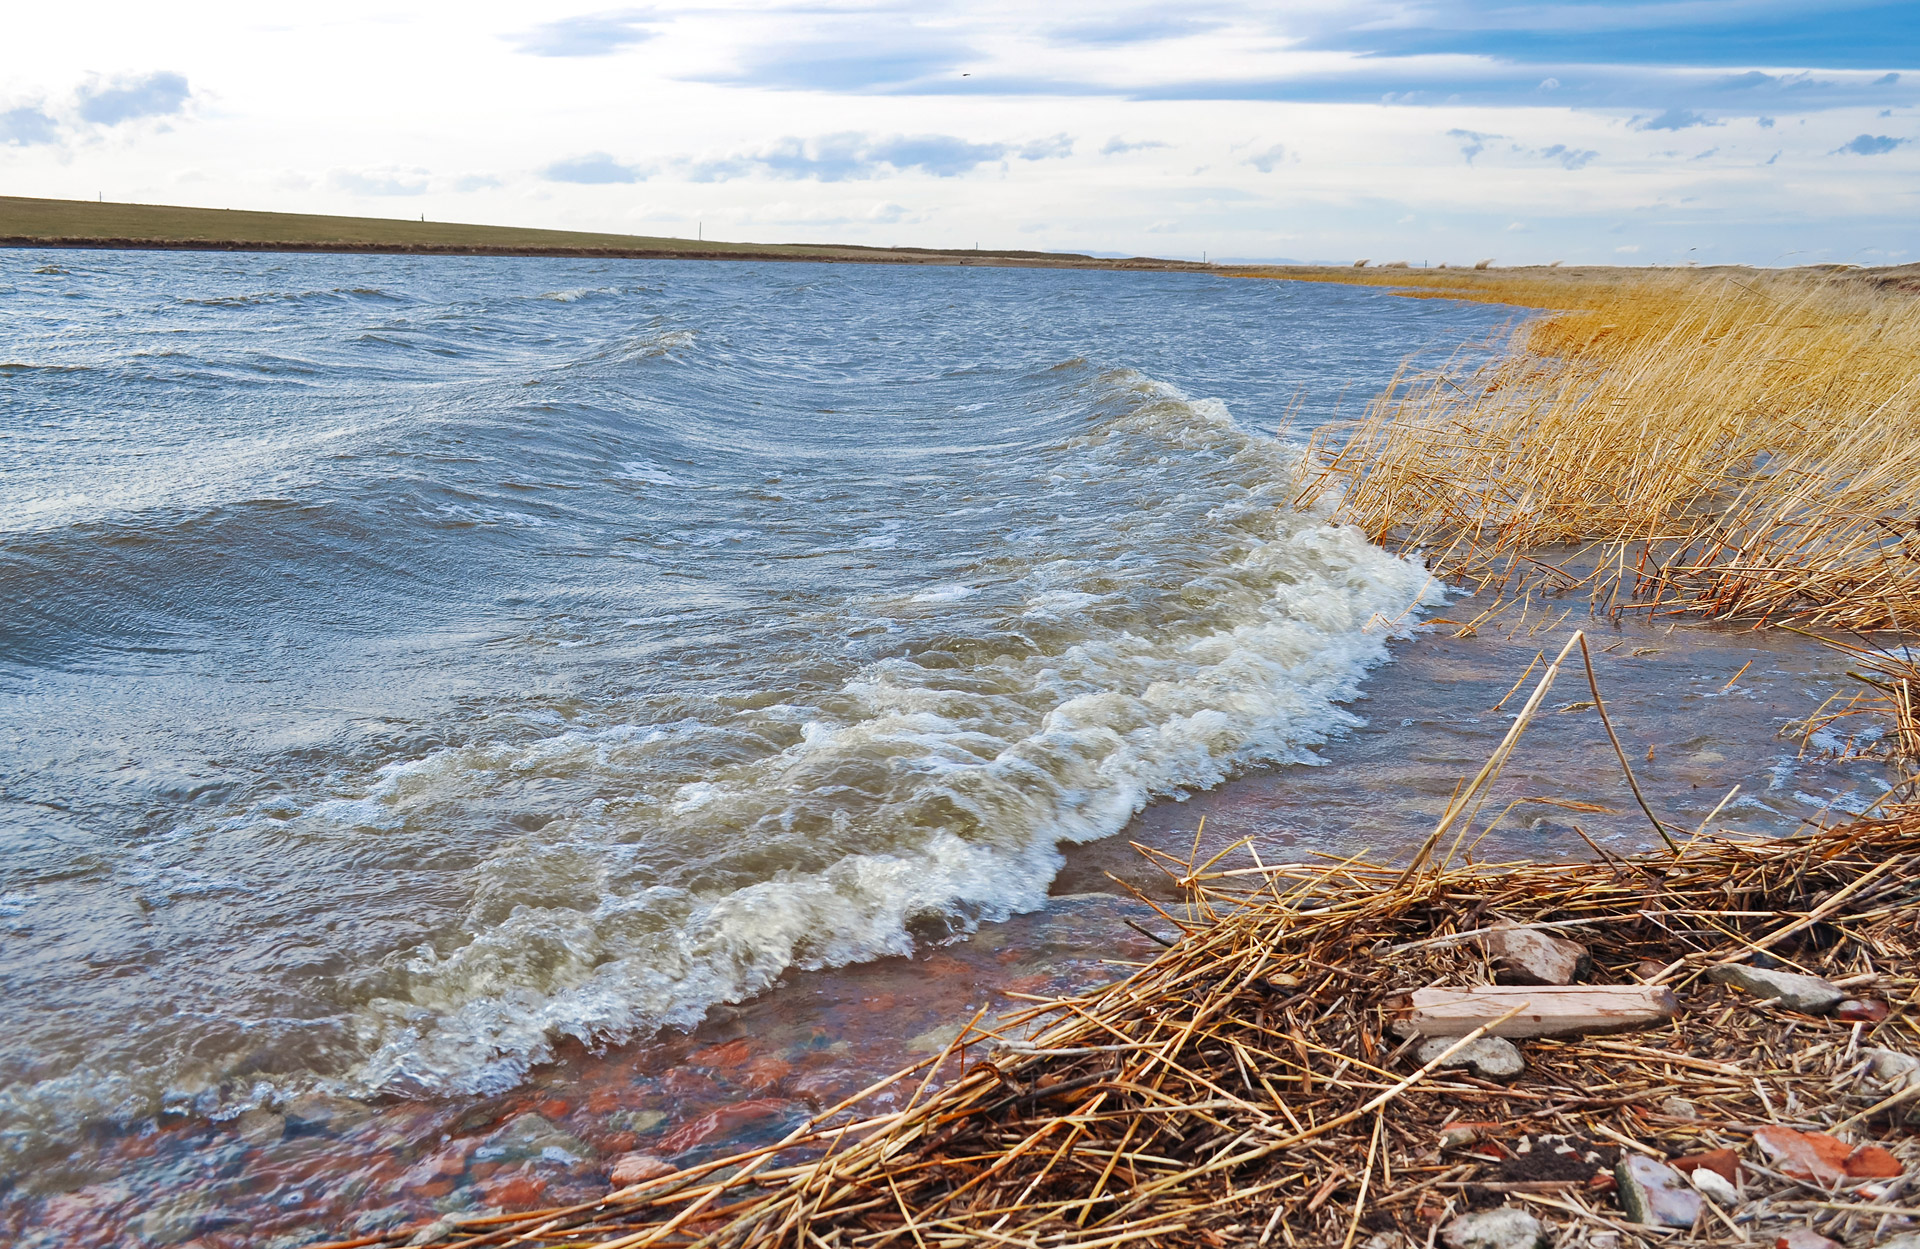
(1721, 443)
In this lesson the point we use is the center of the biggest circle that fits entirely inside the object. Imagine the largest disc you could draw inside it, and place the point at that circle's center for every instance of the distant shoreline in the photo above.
(98, 226)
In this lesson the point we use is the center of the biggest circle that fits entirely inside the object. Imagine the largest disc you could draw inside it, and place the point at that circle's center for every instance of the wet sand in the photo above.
(319, 1168)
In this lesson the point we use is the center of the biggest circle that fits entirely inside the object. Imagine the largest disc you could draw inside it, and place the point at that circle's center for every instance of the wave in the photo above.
(920, 796)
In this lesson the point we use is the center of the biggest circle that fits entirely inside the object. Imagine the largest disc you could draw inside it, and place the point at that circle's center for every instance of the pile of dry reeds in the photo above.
(1247, 1087)
(1724, 444)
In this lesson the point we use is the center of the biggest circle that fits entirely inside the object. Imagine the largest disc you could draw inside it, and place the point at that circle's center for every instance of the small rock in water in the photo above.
(531, 1138)
(1679, 1108)
(317, 1114)
(633, 1168)
(1808, 994)
(439, 1229)
(1494, 1058)
(1654, 1193)
(1528, 956)
(1807, 1238)
(1505, 1228)
(1715, 1187)
(260, 1127)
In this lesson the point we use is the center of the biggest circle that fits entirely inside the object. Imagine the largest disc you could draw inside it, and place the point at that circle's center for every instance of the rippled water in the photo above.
(411, 664)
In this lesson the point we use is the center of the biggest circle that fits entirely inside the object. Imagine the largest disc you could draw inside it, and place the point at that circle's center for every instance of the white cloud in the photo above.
(1120, 130)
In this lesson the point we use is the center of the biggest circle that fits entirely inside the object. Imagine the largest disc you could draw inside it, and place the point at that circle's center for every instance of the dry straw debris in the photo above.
(1717, 443)
(1248, 1086)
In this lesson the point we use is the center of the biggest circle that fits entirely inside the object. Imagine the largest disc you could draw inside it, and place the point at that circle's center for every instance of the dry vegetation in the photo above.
(1724, 444)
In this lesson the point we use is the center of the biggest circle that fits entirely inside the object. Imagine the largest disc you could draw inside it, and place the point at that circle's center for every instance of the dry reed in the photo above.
(1724, 444)
(1246, 1087)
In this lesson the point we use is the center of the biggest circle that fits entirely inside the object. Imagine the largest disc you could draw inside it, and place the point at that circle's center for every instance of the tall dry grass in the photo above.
(1739, 444)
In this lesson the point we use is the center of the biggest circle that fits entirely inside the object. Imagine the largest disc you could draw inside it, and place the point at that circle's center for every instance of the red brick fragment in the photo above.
(1803, 1238)
(1870, 1162)
(1723, 1162)
(1805, 1155)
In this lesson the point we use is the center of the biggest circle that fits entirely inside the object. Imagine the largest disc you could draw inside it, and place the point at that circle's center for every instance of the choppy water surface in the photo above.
(408, 665)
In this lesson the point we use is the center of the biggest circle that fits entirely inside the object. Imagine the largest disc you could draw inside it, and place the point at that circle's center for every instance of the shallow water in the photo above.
(424, 676)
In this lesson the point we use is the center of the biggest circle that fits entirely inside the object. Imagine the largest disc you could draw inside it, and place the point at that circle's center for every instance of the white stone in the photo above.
(1495, 1058)
(1505, 1228)
(1715, 1187)
(1809, 994)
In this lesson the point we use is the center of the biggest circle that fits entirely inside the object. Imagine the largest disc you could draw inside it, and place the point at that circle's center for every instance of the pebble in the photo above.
(1505, 1228)
(1715, 1187)
(1892, 1067)
(1808, 994)
(633, 1168)
(1528, 956)
(439, 1229)
(1493, 1058)
(529, 1138)
(1655, 1194)
(1679, 1108)
(1856, 1010)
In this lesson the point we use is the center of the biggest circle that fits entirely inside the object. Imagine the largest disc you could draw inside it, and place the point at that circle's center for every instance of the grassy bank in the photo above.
(80, 223)
(1725, 444)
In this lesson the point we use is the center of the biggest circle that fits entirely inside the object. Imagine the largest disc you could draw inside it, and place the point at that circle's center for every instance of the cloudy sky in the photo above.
(1653, 131)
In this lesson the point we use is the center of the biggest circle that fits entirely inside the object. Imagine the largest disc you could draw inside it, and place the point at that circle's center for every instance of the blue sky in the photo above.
(1655, 132)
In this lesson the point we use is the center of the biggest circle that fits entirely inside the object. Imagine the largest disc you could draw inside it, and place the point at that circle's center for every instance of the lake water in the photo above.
(420, 675)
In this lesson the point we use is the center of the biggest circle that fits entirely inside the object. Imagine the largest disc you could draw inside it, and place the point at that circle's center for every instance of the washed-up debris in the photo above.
(1533, 1011)
(1529, 956)
(1789, 989)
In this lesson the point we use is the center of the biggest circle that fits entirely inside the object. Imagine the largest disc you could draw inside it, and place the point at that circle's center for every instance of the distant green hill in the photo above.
(84, 223)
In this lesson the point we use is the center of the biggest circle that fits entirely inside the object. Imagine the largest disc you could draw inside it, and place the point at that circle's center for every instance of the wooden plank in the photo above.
(1551, 1010)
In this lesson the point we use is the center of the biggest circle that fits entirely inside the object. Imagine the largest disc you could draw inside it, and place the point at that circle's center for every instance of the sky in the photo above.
(1444, 131)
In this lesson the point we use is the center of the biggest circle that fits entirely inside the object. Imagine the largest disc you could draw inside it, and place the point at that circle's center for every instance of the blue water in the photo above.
(405, 663)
